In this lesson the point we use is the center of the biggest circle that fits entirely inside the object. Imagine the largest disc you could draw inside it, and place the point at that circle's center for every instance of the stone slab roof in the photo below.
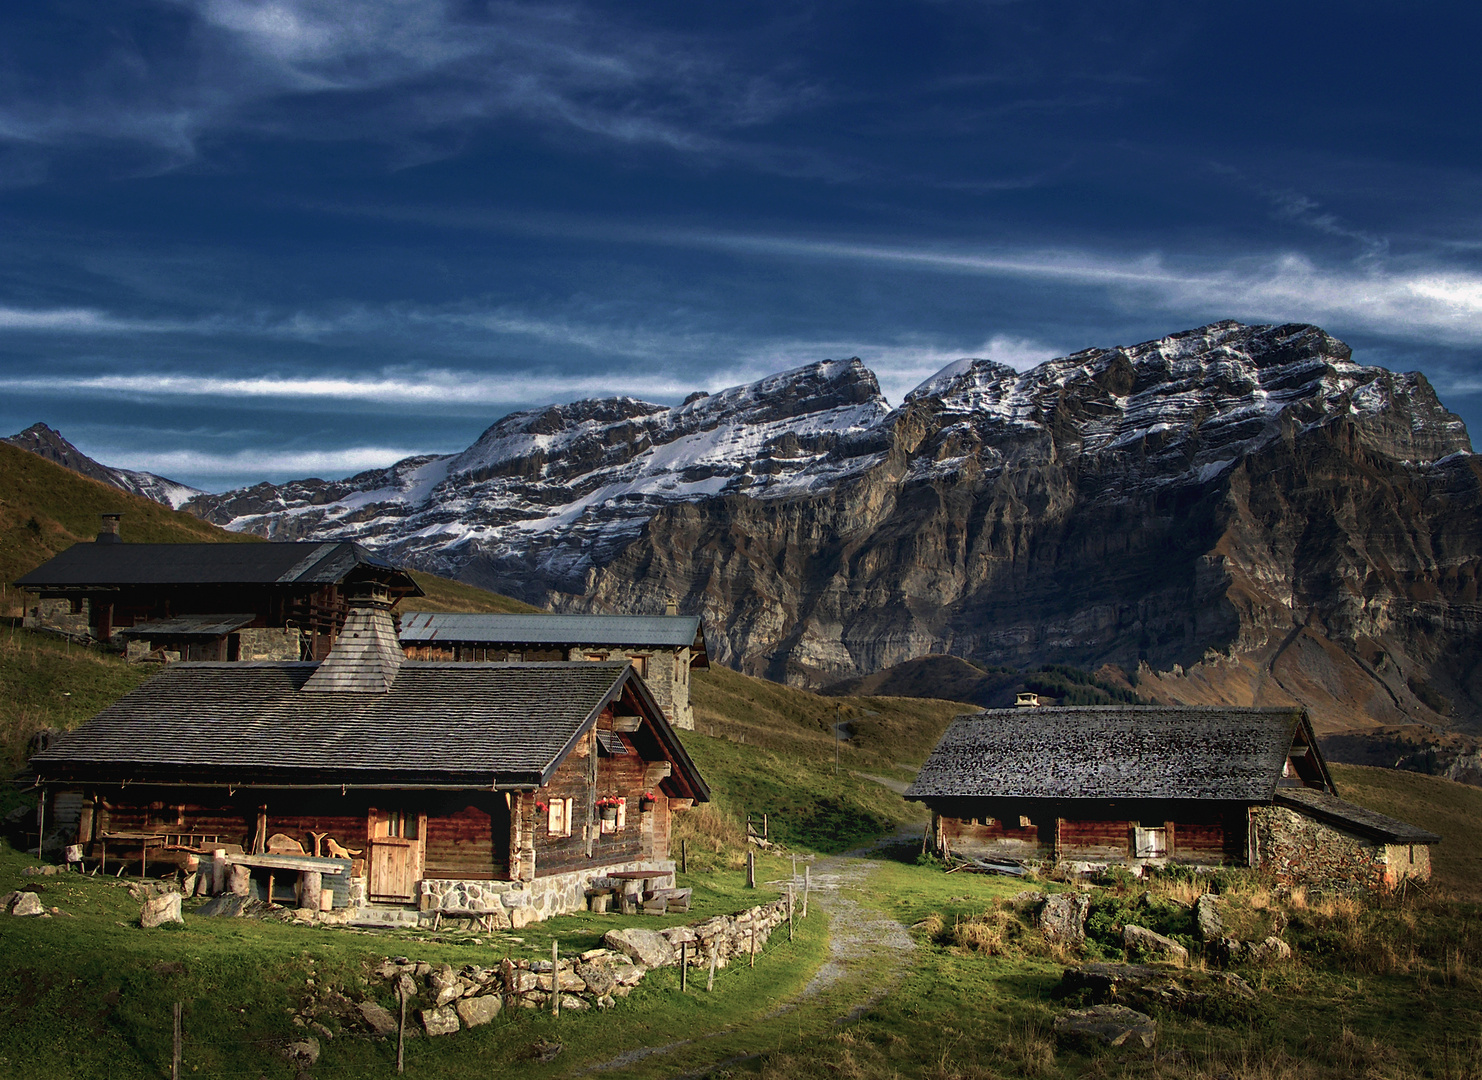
(663, 631)
(1330, 808)
(103, 565)
(1111, 752)
(460, 723)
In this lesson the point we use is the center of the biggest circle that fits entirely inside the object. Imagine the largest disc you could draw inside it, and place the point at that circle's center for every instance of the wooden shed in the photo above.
(491, 787)
(1091, 787)
(246, 601)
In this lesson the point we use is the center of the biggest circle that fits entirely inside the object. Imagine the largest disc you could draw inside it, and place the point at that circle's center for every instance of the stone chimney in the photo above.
(367, 653)
(108, 531)
(671, 608)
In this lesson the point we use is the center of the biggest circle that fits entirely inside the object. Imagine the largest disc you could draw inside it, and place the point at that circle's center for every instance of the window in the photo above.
(619, 823)
(1149, 842)
(595, 657)
(640, 665)
(1023, 821)
(559, 817)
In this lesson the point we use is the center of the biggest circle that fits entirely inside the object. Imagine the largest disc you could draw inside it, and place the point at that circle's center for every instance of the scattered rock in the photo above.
(1107, 1025)
(27, 903)
(478, 1011)
(1214, 996)
(302, 1052)
(1269, 951)
(599, 978)
(441, 1021)
(646, 948)
(1207, 917)
(571, 1003)
(406, 986)
(1062, 917)
(377, 1018)
(1139, 939)
(160, 910)
(443, 985)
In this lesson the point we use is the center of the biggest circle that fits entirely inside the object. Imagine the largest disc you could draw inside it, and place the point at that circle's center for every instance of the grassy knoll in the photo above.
(1376, 989)
(88, 994)
(45, 509)
(444, 594)
(1453, 810)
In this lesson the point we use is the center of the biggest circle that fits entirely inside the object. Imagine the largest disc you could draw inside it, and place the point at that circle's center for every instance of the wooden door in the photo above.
(395, 857)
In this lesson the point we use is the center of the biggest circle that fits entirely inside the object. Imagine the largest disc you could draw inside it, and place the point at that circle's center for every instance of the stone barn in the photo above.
(1092, 787)
(503, 789)
(664, 649)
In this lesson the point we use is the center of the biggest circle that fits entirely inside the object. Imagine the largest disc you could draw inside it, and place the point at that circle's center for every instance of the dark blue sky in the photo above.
(247, 240)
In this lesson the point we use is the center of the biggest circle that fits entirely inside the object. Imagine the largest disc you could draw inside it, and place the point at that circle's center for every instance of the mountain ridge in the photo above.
(1234, 512)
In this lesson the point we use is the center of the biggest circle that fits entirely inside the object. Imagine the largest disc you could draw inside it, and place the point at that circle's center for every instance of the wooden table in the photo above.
(145, 840)
(310, 869)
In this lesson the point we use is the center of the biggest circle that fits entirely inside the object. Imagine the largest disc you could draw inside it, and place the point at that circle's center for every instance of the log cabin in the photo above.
(231, 601)
(1086, 788)
(501, 789)
(664, 648)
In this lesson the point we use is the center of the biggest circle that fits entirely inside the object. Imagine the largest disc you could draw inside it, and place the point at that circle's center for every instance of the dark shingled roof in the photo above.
(467, 724)
(103, 565)
(665, 631)
(1111, 752)
(188, 626)
(1330, 808)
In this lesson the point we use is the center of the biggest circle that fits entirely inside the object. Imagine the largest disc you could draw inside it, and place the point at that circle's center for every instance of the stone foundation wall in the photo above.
(1299, 850)
(57, 615)
(268, 643)
(519, 903)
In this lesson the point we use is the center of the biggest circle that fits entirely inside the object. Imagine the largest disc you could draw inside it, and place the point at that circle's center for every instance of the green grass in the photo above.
(89, 994)
(1453, 810)
(443, 594)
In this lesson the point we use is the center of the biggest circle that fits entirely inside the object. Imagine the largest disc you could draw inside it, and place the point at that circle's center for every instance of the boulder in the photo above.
(1141, 940)
(1207, 918)
(227, 905)
(478, 1011)
(1268, 951)
(160, 910)
(1062, 917)
(645, 948)
(27, 903)
(1211, 995)
(377, 1018)
(1106, 1025)
(441, 1021)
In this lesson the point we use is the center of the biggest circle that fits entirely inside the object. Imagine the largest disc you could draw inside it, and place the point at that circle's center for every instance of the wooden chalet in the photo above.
(504, 789)
(1091, 787)
(243, 601)
(664, 648)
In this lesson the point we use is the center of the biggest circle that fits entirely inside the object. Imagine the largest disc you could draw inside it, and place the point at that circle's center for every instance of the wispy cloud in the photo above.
(256, 463)
(413, 68)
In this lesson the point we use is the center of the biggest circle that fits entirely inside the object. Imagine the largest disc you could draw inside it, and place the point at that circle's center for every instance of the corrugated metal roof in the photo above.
(188, 626)
(1111, 752)
(668, 631)
(103, 565)
(1330, 808)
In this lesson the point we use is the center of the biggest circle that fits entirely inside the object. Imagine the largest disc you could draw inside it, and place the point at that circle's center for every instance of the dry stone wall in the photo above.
(1299, 850)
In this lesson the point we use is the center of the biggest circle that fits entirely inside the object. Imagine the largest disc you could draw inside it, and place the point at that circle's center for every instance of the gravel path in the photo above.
(862, 943)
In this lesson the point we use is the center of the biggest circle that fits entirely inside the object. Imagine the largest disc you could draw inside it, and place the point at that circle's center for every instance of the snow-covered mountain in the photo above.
(1184, 502)
(48, 443)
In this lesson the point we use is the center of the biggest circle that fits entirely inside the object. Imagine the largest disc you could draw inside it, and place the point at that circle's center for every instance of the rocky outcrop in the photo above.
(48, 443)
(1233, 513)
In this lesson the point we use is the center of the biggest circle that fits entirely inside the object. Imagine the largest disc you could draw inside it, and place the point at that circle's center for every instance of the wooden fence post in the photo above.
(555, 979)
(175, 1056)
(753, 943)
(401, 1028)
(750, 869)
(789, 911)
(765, 834)
(710, 982)
(684, 966)
(684, 856)
(807, 884)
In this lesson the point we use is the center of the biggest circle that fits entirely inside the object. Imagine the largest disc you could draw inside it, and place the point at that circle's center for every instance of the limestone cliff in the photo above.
(1233, 513)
